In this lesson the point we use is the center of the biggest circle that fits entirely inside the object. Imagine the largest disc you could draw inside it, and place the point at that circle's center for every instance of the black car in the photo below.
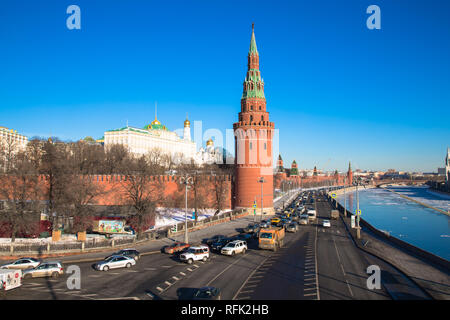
(210, 241)
(132, 253)
(207, 293)
(244, 236)
(252, 228)
(219, 244)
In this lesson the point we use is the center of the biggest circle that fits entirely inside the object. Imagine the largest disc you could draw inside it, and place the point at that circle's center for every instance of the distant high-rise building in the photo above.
(10, 140)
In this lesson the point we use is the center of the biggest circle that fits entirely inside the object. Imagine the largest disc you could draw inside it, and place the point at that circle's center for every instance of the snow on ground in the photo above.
(172, 216)
(64, 238)
(424, 195)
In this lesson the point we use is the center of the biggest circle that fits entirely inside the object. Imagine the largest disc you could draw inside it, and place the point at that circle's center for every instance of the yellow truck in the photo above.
(271, 238)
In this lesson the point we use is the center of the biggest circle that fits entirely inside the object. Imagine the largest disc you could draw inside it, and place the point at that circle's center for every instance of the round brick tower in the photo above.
(349, 174)
(253, 141)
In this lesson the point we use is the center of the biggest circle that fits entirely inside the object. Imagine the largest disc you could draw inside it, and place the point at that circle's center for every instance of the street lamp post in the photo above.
(358, 228)
(261, 180)
(345, 201)
(187, 181)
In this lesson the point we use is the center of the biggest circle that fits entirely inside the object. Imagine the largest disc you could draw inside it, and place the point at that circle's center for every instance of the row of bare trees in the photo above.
(69, 191)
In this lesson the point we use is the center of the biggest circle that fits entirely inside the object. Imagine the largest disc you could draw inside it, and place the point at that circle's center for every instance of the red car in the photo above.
(176, 247)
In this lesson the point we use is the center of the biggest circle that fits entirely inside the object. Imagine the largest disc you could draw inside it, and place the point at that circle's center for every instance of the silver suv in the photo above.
(45, 269)
(233, 247)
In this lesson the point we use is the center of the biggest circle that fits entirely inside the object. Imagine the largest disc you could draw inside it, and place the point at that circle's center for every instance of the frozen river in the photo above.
(414, 223)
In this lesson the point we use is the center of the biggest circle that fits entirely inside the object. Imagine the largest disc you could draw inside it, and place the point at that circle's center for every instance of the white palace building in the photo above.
(157, 136)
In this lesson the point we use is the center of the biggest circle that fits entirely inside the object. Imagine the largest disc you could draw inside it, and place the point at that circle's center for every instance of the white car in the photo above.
(22, 263)
(312, 214)
(234, 247)
(326, 223)
(195, 254)
(303, 220)
(114, 262)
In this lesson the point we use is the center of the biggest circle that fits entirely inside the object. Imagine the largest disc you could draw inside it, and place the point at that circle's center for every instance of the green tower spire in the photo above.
(253, 48)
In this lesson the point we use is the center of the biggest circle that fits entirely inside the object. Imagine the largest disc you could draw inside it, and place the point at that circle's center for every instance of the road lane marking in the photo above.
(158, 288)
(150, 269)
(310, 294)
(342, 268)
(190, 269)
(175, 278)
(182, 273)
(246, 291)
(248, 278)
(224, 270)
(244, 298)
(168, 283)
(315, 256)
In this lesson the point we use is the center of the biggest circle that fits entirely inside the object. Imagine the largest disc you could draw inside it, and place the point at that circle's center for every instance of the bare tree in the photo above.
(20, 192)
(115, 157)
(79, 198)
(141, 193)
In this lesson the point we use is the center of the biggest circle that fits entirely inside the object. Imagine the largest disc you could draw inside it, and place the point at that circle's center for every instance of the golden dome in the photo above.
(187, 123)
(210, 142)
(155, 122)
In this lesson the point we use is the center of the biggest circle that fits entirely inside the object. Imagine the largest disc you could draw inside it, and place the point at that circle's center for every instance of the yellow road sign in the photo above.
(333, 195)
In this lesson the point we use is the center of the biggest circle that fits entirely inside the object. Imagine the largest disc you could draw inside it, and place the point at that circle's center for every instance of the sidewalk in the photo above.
(433, 279)
(154, 246)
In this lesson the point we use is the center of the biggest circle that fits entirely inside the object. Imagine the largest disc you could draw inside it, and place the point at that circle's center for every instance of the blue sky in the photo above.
(336, 90)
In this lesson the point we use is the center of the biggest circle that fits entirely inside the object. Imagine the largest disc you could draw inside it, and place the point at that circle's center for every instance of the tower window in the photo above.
(262, 118)
(250, 146)
(265, 146)
(251, 107)
(251, 118)
(259, 107)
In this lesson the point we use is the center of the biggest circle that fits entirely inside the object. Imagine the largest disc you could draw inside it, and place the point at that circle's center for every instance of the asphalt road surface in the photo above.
(314, 263)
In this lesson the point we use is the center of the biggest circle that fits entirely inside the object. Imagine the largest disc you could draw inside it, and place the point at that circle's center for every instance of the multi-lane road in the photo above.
(314, 263)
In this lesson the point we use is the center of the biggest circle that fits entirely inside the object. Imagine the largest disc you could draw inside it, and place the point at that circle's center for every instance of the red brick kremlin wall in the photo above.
(113, 190)
(280, 177)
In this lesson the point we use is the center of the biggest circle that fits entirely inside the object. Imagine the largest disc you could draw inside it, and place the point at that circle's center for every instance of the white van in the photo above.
(10, 279)
(312, 215)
